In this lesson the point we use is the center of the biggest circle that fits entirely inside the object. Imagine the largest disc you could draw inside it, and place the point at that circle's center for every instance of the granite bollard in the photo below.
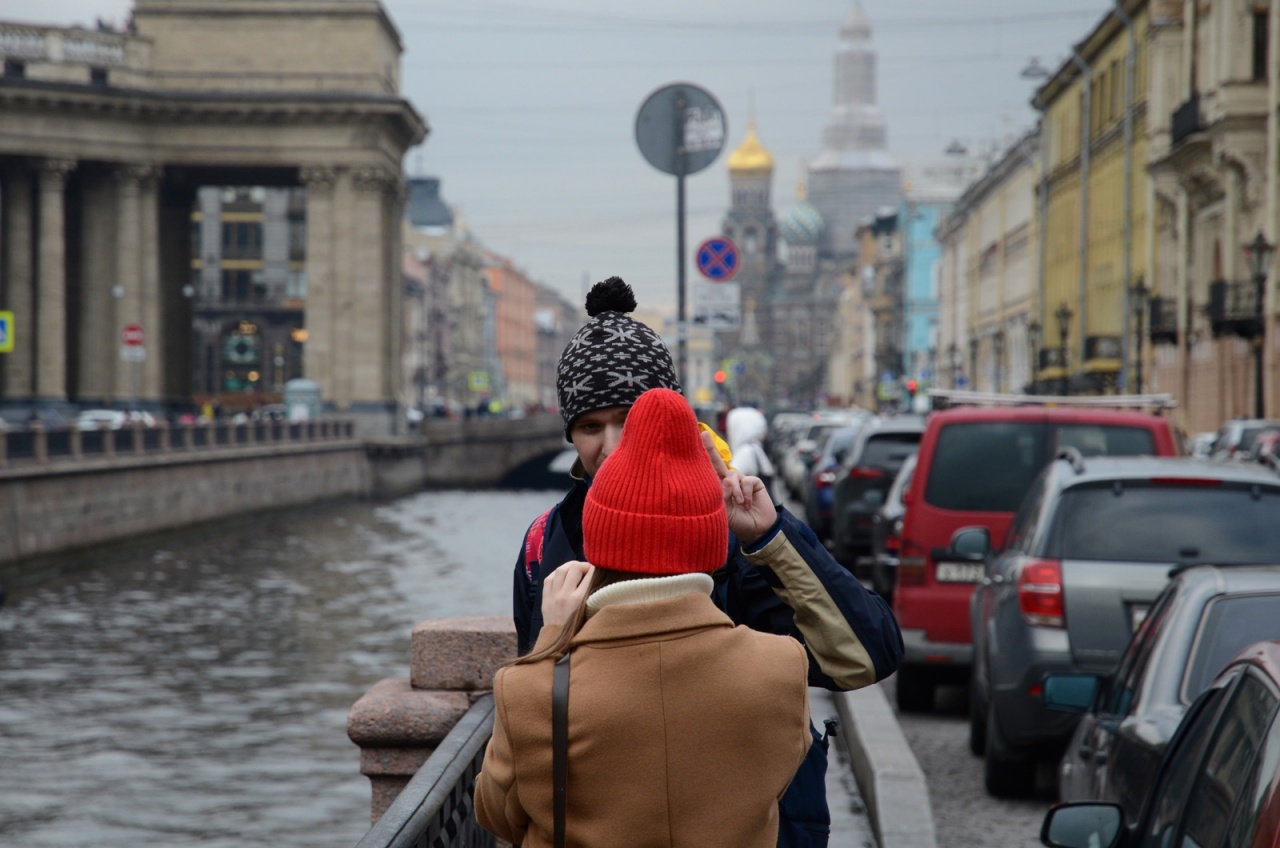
(400, 721)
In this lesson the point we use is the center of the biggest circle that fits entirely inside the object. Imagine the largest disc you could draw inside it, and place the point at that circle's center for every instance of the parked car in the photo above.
(974, 466)
(1204, 617)
(821, 478)
(886, 533)
(1236, 436)
(1218, 785)
(799, 457)
(863, 481)
(1087, 554)
(1266, 449)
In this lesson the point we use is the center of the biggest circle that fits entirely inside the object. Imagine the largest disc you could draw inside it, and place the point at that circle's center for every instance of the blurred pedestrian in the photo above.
(746, 428)
(776, 577)
(681, 728)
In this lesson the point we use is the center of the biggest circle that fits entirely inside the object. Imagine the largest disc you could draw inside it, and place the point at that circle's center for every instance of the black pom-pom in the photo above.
(613, 295)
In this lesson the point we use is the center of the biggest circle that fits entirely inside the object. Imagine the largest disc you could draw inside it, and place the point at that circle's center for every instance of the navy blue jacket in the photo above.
(849, 633)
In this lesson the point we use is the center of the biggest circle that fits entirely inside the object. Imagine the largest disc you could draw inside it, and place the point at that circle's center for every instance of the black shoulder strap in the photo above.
(560, 742)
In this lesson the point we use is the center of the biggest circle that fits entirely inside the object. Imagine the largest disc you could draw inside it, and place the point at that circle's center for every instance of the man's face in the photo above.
(595, 434)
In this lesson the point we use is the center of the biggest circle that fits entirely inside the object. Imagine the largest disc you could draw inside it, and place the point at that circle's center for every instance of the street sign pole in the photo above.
(682, 331)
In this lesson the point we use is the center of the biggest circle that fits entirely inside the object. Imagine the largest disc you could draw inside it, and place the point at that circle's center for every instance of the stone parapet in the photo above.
(399, 722)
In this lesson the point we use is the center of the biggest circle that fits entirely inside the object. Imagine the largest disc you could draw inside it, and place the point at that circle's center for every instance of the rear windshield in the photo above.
(985, 466)
(889, 450)
(1102, 440)
(1225, 525)
(1230, 625)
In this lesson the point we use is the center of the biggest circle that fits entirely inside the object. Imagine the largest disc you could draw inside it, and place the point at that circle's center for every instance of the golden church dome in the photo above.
(751, 154)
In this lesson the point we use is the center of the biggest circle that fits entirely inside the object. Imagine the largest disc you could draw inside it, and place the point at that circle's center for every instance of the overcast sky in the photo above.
(532, 105)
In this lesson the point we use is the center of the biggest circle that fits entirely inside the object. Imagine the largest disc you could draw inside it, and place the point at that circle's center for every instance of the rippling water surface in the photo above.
(193, 688)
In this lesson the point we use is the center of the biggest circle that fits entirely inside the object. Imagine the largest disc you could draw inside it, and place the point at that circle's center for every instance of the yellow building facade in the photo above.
(1097, 236)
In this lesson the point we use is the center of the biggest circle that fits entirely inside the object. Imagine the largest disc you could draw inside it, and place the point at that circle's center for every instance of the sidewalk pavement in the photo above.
(889, 782)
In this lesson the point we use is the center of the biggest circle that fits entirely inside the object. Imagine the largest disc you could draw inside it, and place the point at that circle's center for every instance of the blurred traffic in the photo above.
(1082, 573)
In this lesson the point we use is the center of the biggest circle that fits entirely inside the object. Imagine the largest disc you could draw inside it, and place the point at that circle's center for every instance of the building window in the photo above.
(1259, 46)
(98, 76)
(296, 287)
(13, 69)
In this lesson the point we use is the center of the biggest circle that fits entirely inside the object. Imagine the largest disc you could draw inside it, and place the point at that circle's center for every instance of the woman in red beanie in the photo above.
(682, 728)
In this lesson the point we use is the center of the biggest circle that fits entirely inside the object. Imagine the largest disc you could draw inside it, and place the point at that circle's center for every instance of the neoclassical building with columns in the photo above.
(106, 139)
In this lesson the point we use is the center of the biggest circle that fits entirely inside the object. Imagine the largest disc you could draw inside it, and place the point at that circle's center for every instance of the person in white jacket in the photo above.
(746, 428)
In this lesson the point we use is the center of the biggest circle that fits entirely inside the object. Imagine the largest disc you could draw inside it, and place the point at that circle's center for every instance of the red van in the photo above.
(974, 466)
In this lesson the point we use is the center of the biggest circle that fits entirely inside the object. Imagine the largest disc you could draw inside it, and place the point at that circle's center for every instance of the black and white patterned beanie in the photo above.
(613, 359)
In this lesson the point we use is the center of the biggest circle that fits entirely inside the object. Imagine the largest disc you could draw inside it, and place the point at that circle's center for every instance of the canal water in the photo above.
(193, 688)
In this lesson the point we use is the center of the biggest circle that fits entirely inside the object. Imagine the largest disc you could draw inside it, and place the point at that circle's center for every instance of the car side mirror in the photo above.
(1071, 693)
(971, 543)
(908, 497)
(1082, 825)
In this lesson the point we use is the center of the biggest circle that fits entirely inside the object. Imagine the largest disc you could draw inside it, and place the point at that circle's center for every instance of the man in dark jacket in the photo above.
(778, 578)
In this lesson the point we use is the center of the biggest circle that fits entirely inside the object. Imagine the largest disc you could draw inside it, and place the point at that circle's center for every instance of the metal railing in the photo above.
(435, 809)
(39, 445)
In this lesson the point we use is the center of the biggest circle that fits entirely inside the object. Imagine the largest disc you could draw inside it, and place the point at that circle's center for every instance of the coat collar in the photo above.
(665, 619)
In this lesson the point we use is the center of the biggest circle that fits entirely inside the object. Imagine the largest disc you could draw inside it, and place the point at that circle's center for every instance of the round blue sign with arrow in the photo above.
(718, 259)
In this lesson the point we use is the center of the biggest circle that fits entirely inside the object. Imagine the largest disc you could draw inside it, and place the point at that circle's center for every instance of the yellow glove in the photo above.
(722, 447)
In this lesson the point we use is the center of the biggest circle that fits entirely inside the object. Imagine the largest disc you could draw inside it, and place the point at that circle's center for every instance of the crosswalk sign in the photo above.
(6, 331)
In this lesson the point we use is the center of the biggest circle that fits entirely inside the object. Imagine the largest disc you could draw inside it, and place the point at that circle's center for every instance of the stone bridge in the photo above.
(471, 452)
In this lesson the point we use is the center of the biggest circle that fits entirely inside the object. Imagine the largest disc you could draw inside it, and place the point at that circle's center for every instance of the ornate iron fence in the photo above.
(435, 810)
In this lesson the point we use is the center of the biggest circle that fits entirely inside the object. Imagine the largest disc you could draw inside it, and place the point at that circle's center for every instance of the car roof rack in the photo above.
(944, 398)
(1073, 456)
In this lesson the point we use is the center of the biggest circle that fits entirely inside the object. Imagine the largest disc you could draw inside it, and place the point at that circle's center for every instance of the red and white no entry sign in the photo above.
(131, 335)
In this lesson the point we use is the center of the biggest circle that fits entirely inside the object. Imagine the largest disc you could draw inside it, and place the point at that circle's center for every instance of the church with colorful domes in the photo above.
(794, 268)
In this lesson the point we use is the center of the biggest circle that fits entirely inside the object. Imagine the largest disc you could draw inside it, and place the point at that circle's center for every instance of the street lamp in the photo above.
(1064, 314)
(1258, 254)
(997, 348)
(1034, 332)
(1139, 297)
(973, 363)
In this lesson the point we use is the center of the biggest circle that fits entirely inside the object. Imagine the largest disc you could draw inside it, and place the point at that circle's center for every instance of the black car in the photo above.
(1218, 785)
(1205, 616)
(886, 533)
(863, 481)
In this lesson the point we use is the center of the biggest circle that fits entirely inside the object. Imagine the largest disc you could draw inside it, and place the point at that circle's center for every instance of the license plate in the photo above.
(958, 572)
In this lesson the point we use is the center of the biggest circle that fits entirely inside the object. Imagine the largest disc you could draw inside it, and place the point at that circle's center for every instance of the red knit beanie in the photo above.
(656, 505)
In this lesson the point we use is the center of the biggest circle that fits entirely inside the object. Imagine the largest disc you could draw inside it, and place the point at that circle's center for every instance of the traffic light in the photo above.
(911, 389)
(720, 376)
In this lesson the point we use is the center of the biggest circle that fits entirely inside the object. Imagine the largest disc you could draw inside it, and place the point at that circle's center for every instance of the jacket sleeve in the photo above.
(793, 585)
(497, 803)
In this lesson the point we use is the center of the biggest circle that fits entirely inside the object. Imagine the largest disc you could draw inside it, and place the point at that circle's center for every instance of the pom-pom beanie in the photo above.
(656, 506)
(613, 358)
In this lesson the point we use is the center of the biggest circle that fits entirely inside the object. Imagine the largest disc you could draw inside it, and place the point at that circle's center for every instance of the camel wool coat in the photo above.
(683, 731)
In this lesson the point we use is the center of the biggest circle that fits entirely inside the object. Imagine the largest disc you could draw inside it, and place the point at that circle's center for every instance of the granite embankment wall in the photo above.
(58, 506)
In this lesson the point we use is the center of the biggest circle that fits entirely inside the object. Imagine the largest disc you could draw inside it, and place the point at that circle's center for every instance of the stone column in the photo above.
(321, 314)
(401, 720)
(51, 310)
(17, 207)
(127, 286)
(99, 341)
(151, 376)
(368, 333)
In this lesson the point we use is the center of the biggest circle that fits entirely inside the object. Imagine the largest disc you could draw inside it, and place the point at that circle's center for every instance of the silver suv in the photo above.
(1089, 550)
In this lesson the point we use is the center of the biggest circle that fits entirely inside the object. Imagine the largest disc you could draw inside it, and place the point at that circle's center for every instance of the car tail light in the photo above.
(1184, 481)
(861, 472)
(1040, 593)
(911, 571)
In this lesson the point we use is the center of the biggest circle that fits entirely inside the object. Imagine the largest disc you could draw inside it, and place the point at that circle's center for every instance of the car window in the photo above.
(1261, 787)
(839, 443)
(1024, 522)
(1230, 764)
(1105, 440)
(984, 466)
(1229, 625)
(1186, 751)
(1139, 522)
(888, 450)
(1117, 696)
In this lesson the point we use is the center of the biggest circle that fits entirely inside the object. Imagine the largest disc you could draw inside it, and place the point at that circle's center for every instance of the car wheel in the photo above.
(1005, 776)
(977, 722)
(915, 689)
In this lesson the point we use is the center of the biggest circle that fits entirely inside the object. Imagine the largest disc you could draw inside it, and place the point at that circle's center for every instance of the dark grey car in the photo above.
(1204, 617)
(1088, 552)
